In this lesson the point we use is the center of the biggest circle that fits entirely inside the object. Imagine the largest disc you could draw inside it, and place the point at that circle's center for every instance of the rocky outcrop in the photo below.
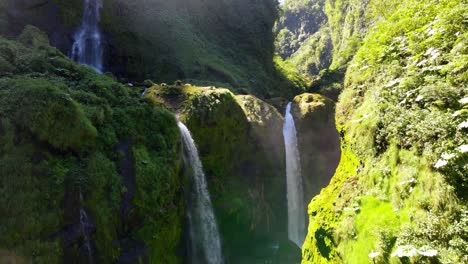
(318, 141)
(241, 146)
(90, 171)
(265, 124)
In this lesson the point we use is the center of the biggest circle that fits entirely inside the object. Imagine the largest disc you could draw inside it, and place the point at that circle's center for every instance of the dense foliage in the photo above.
(224, 43)
(63, 130)
(320, 37)
(399, 194)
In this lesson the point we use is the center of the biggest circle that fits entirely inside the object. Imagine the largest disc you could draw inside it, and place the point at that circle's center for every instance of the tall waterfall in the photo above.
(87, 47)
(295, 193)
(204, 235)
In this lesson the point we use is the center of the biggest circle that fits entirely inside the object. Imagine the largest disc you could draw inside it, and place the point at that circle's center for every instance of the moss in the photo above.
(326, 211)
(396, 117)
(63, 142)
(33, 37)
(51, 115)
(103, 186)
(71, 11)
(376, 228)
(205, 43)
(159, 186)
(240, 148)
(309, 103)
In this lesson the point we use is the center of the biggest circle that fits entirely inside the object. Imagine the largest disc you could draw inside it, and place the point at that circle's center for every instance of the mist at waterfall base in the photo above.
(87, 46)
(205, 243)
(295, 193)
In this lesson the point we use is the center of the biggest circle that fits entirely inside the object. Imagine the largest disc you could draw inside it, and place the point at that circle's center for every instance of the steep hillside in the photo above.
(400, 192)
(319, 37)
(228, 43)
(89, 169)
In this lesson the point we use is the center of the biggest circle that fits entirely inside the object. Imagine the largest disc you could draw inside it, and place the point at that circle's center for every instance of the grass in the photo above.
(397, 117)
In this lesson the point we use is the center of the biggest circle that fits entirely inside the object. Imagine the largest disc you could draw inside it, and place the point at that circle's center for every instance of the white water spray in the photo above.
(204, 235)
(295, 193)
(87, 46)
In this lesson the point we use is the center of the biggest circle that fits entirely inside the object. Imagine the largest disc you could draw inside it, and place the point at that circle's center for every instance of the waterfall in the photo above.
(204, 235)
(85, 230)
(144, 92)
(295, 194)
(87, 46)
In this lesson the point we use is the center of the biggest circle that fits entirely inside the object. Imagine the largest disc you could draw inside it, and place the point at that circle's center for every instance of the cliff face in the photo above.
(228, 43)
(241, 146)
(399, 193)
(89, 169)
(199, 40)
(318, 140)
(320, 37)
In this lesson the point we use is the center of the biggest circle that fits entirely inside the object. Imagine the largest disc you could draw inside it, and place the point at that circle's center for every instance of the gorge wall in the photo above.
(320, 37)
(85, 134)
(67, 132)
(223, 43)
(399, 193)
(91, 167)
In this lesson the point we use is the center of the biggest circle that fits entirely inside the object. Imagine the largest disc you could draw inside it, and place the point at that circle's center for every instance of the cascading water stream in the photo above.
(85, 226)
(295, 193)
(204, 235)
(87, 46)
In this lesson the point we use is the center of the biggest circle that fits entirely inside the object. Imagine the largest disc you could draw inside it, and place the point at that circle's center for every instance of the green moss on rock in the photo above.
(318, 141)
(403, 163)
(61, 124)
(241, 148)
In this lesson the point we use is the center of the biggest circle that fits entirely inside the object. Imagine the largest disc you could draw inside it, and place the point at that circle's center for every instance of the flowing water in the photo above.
(87, 46)
(295, 193)
(205, 242)
(85, 226)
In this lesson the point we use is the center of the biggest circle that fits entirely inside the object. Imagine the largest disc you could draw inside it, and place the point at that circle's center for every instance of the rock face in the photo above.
(241, 147)
(224, 43)
(318, 141)
(44, 14)
(265, 123)
(90, 171)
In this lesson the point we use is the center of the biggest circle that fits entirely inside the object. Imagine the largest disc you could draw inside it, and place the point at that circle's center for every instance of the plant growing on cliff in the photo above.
(401, 115)
(61, 125)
